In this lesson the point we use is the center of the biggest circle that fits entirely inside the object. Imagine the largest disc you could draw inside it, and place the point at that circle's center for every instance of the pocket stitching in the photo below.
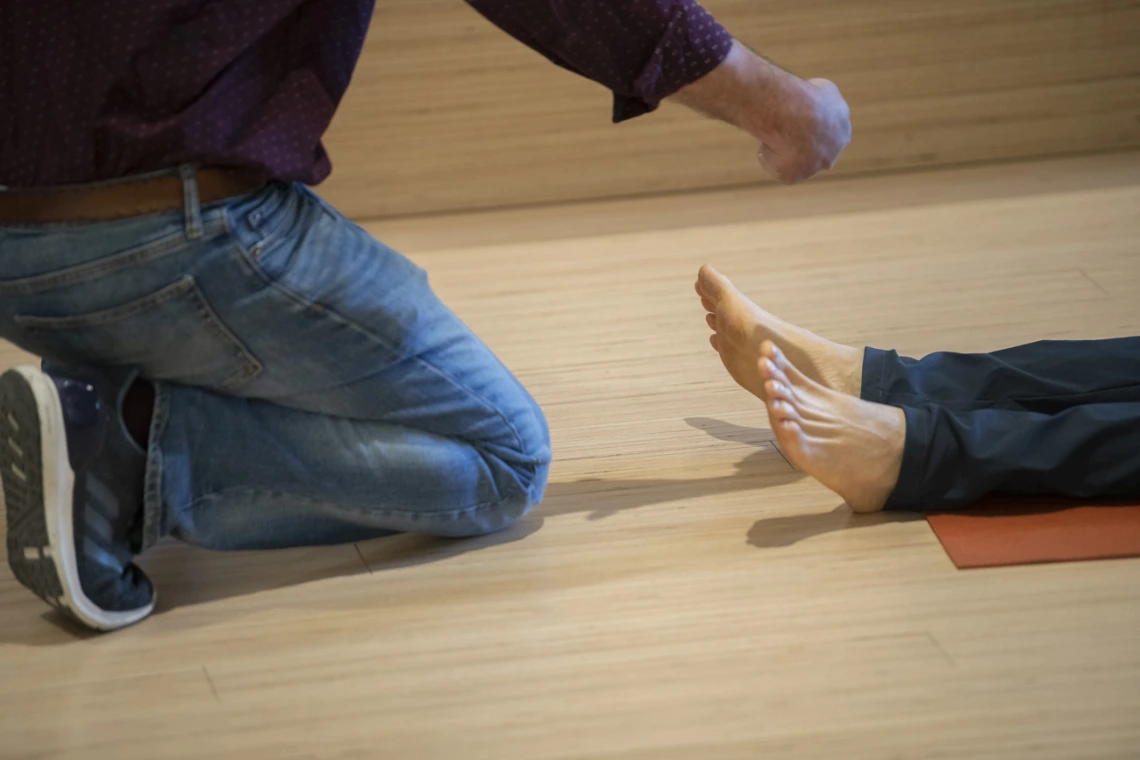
(93, 269)
(184, 285)
(187, 285)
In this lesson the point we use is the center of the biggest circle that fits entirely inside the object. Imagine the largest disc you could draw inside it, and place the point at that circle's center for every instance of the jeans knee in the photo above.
(524, 494)
(520, 471)
(534, 454)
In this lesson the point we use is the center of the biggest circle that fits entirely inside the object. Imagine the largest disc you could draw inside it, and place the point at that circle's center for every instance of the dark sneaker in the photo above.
(73, 483)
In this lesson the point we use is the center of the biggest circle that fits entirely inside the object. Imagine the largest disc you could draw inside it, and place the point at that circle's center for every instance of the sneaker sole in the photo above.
(38, 487)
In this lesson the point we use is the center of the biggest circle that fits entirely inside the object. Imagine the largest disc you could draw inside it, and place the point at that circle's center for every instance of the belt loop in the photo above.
(191, 205)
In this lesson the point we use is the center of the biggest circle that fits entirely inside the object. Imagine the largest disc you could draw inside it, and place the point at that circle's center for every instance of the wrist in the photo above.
(752, 94)
(773, 102)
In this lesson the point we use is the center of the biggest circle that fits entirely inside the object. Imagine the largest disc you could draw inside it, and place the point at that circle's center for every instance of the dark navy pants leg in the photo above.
(954, 457)
(1047, 376)
(1053, 417)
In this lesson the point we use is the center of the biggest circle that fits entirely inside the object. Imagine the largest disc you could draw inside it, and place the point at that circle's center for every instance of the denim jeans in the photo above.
(310, 387)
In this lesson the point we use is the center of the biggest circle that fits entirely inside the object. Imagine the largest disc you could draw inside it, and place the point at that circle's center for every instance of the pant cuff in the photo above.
(908, 491)
(874, 367)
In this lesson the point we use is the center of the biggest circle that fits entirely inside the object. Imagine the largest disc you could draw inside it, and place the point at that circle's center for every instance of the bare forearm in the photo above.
(740, 90)
(802, 125)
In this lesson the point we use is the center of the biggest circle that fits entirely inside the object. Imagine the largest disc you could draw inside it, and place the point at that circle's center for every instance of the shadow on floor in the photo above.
(603, 497)
(187, 576)
(195, 576)
(732, 433)
(786, 530)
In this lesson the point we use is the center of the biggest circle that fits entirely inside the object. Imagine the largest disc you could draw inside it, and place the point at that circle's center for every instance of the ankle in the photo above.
(852, 379)
(895, 437)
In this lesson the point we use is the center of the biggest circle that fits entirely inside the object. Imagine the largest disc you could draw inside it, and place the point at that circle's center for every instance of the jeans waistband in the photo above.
(185, 188)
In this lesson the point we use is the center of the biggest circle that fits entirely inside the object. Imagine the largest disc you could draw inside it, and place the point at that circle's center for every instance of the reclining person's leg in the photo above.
(1047, 376)
(929, 457)
(952, 458)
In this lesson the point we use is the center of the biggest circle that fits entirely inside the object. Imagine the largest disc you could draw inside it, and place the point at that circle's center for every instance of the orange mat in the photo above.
(1020, 531)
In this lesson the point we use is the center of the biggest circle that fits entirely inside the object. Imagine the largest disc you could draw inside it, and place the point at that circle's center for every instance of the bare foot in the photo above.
(853, 447)
(741, 326)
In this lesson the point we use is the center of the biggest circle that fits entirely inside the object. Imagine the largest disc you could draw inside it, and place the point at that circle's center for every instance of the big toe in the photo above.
(712, 284)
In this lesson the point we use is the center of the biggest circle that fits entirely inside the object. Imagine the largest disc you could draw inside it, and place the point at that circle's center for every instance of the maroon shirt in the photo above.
(99, 89)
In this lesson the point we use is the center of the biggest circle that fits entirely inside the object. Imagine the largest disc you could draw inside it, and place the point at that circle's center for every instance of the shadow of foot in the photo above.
(786, 530)
(603, 497)
(732, 433)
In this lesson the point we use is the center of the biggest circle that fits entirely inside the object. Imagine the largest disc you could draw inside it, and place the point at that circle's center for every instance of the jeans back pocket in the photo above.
(172, 335)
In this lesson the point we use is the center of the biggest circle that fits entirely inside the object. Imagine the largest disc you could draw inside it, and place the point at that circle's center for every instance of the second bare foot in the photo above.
(853, 447)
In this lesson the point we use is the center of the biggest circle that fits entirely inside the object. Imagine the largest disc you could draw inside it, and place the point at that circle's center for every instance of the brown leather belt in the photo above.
(103, 202)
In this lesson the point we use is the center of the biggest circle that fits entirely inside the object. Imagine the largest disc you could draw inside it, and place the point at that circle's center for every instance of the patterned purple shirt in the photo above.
(98, 89)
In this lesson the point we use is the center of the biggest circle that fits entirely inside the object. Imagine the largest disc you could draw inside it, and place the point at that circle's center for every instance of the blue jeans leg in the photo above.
(311, 388)
(267, 476)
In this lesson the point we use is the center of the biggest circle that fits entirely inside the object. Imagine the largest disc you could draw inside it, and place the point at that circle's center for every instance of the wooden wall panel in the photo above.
(448, 113)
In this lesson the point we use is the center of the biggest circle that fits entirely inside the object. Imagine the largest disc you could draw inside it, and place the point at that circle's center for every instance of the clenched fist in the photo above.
(806, 131)
(802, 126)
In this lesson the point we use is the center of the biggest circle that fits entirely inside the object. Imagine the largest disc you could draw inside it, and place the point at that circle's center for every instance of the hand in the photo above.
(802, 126)
(806, 131)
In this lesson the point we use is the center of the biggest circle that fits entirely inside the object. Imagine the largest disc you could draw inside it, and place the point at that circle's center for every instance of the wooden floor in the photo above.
(682, 593)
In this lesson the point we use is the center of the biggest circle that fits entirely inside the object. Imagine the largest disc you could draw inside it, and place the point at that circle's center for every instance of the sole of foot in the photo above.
(851, 446)
(741, 327)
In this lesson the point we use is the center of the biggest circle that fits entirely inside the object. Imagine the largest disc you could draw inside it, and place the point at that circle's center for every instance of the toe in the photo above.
(770, 370)
(785, 367)
(705, 302)
(710, 320)
(781, 409)
(712, 284)
(715, 344)
(790, 435)
(777, 390)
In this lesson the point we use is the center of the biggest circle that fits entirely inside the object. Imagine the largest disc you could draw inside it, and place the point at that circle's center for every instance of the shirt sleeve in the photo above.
(642, 50)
